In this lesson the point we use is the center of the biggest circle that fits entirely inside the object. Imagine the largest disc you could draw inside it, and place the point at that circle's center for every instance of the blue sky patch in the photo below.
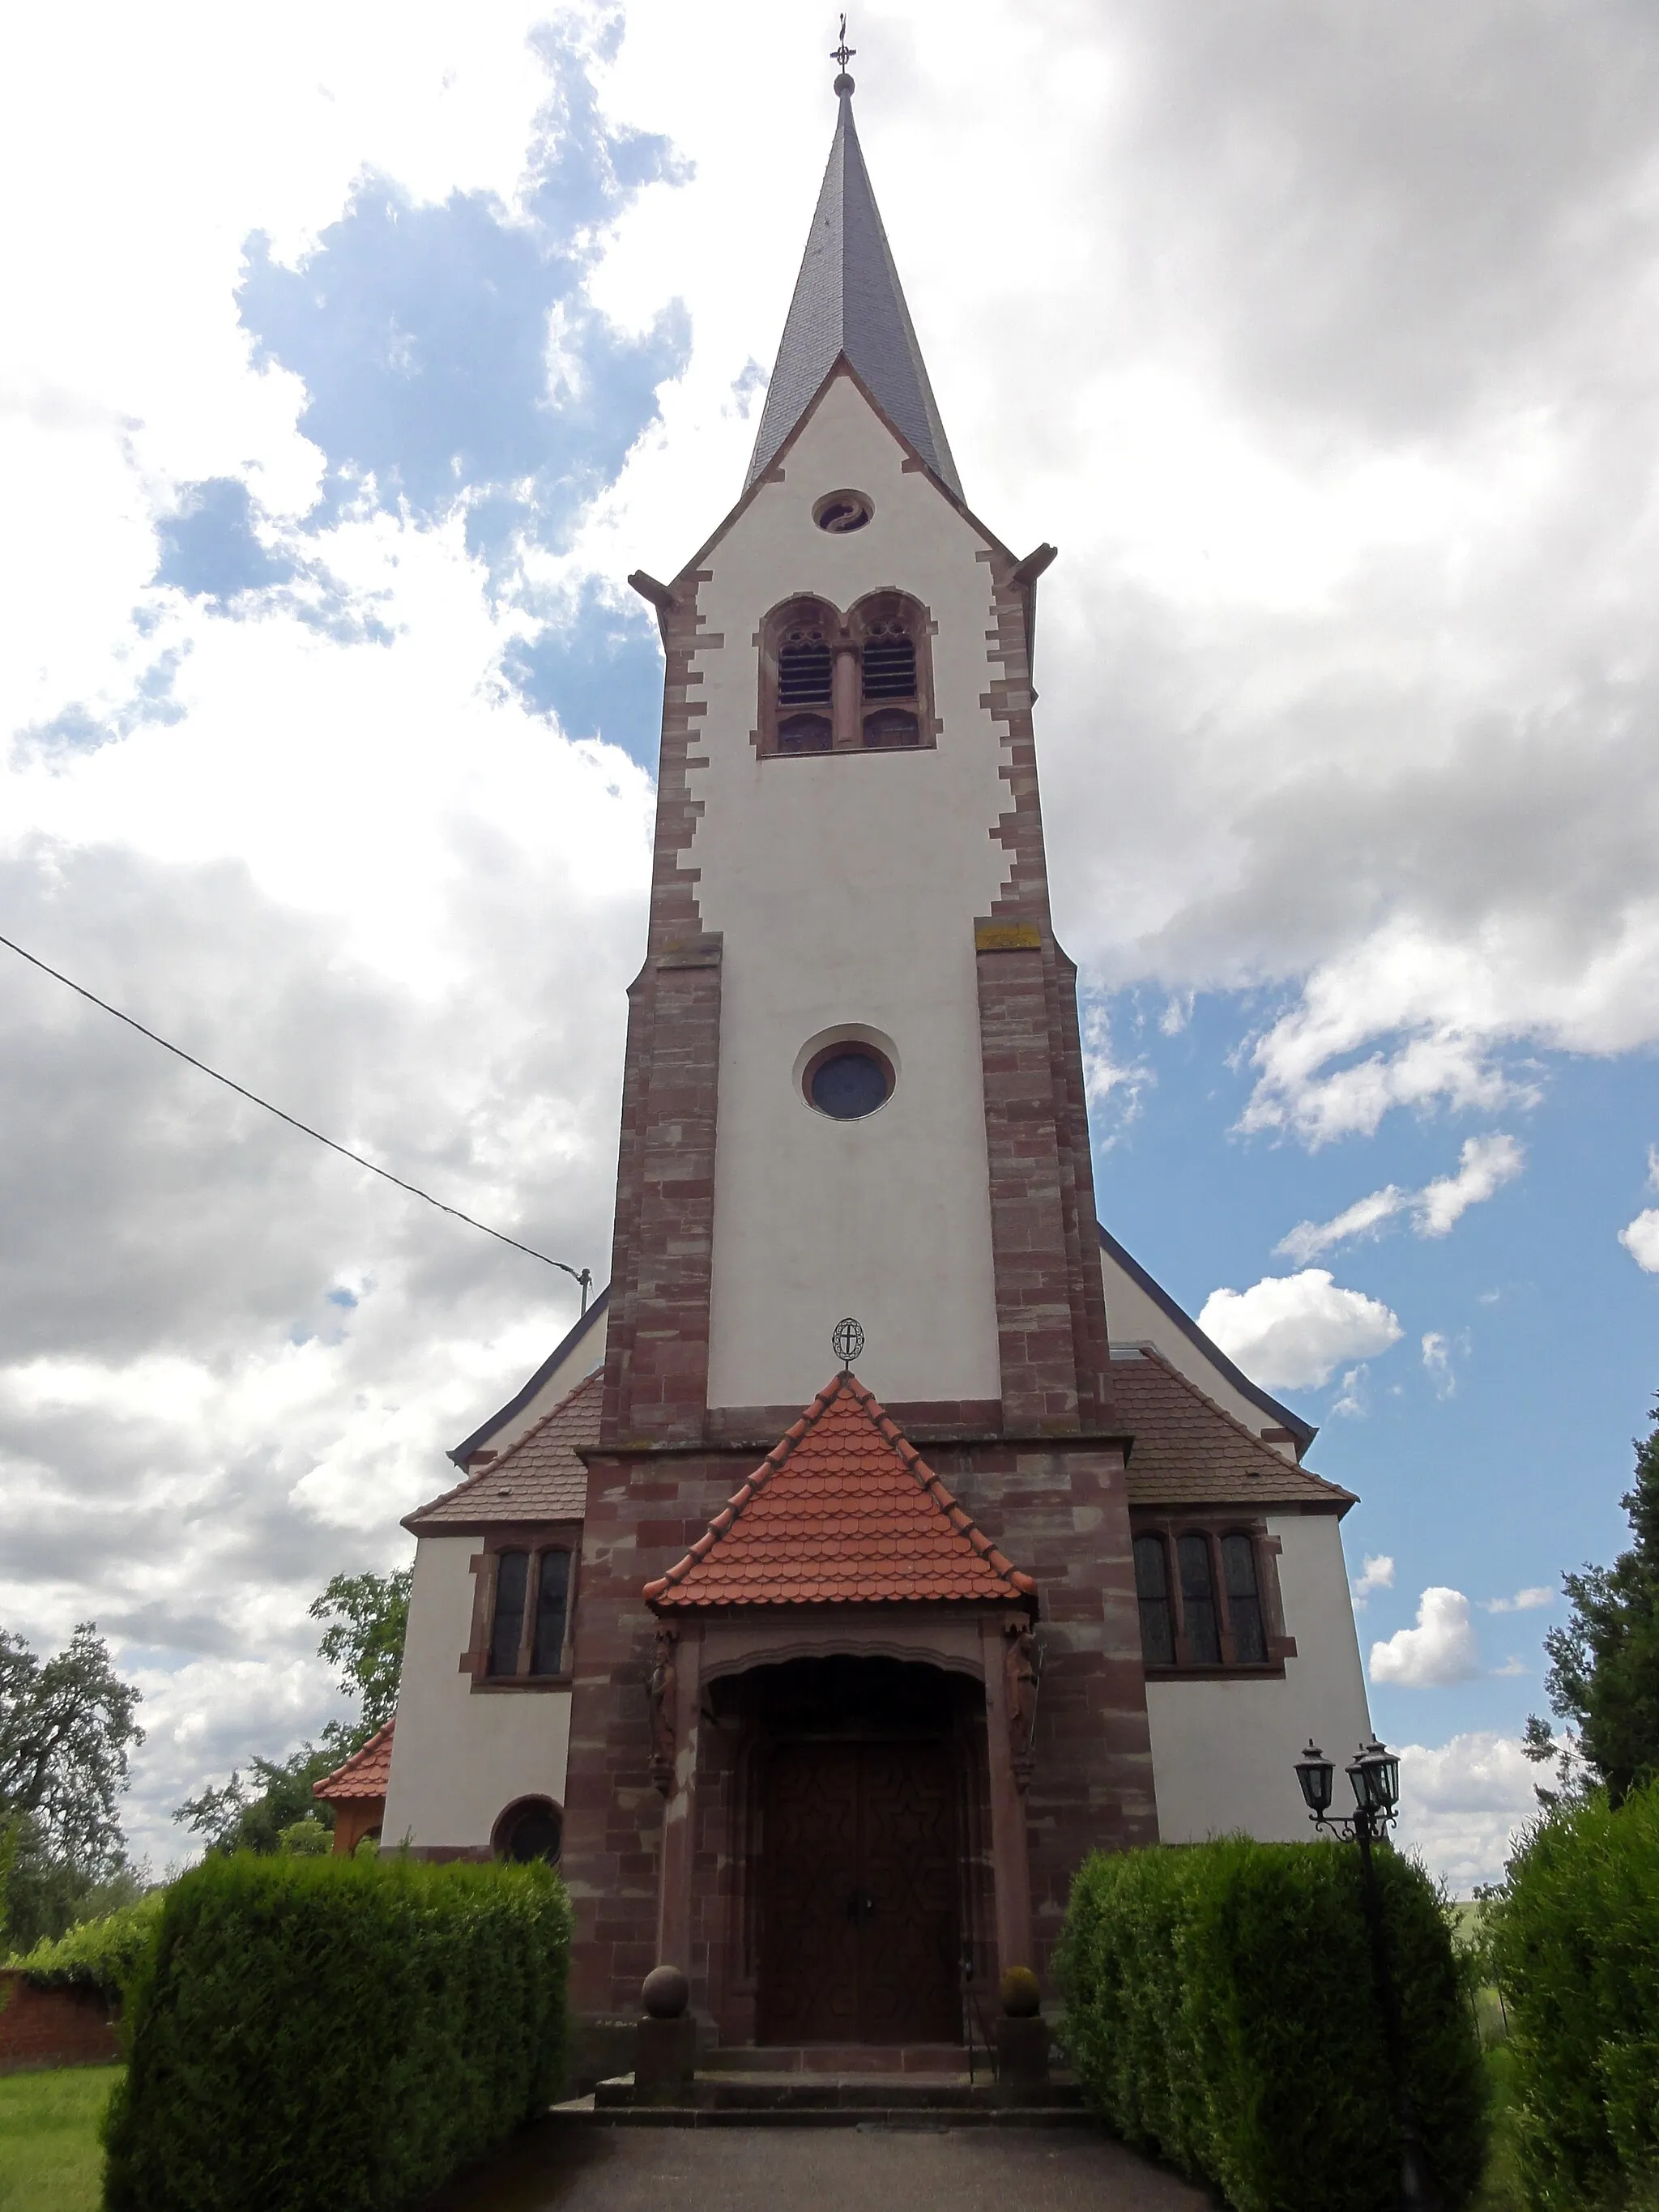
(209, 548)
(449, 352)
(600, 672)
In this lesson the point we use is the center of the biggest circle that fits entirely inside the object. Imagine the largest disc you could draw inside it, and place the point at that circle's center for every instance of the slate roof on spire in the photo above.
(847, 300)
(843, 1510)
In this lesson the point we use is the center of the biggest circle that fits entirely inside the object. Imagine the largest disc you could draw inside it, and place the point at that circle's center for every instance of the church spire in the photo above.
(847, 300)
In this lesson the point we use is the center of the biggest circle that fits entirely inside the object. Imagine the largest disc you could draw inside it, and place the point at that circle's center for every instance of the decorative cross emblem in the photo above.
(843, 53)
(847, 1339)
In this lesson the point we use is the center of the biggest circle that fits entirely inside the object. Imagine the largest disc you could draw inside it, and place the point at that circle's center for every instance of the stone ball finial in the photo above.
(1020, 1993)
(666, 1993)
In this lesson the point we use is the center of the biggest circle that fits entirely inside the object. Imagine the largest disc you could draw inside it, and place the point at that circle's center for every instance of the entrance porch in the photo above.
(844, 1860)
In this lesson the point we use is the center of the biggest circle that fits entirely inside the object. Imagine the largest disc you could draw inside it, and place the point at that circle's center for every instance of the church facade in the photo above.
(883, 1540)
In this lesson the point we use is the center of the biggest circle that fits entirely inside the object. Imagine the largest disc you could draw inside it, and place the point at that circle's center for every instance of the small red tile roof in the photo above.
(538, 1478)
(842, 1510)
(1188, 1451)
(366, 1773)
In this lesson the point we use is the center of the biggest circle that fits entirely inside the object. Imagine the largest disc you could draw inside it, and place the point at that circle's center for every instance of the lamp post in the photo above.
(1374, 1774)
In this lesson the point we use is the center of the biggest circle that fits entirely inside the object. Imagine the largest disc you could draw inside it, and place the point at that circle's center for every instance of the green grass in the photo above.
(50, 2159)
(1501, 2189)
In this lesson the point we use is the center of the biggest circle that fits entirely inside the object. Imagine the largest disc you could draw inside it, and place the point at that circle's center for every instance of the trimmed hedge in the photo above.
(1221, 2011)
(1576, 1942)
(105, 1954)
(315, 2034)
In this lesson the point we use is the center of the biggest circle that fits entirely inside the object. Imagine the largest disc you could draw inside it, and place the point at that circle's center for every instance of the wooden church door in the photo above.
(859, 1930)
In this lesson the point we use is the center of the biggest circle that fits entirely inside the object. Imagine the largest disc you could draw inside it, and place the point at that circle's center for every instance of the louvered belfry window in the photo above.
(889, 684)
(889, 665)
(806, 688)
(857, 682)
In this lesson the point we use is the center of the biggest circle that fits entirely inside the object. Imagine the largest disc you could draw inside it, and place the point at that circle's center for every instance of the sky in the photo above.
(351, 360)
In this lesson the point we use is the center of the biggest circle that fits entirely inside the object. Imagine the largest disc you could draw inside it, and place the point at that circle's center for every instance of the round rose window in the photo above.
(848, 1080)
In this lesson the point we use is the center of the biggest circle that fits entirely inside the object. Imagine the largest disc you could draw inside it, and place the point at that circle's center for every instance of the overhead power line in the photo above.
(581, 1276)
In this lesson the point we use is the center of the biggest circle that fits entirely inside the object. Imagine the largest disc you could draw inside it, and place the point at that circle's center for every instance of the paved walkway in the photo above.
(924, 2168)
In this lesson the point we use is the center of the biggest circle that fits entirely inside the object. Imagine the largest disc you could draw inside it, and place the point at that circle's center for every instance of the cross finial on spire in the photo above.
(840, 56)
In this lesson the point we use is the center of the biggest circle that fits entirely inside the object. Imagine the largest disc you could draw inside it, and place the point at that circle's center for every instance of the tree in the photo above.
(1604, 1678)
(237, 1818)
(368, 1618)
(66, 1728)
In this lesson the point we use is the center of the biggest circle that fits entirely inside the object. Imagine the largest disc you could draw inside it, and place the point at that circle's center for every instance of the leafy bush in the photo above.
(103, 1955)
(314, 2032)
(1220, 2009)
(306, 1839)
(1576, 1939)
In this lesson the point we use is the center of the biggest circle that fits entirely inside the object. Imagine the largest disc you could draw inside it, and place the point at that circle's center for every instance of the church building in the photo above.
(883, 1540)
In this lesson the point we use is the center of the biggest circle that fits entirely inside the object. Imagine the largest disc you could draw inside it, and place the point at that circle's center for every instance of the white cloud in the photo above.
(1485, 1164)
(1353, 1399)
(1436, 1359)
(1378, 1574)
(1290, 1332)
(1310, 1238)
(1524, 1601)
(1640, 1238)
(1112, 1084)
(1463, 1804)
(1440, 1650)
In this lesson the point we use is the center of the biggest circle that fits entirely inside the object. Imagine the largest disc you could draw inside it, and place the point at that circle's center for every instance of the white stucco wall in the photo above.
(458, 1757)
(1224, 1752)
(845, 888)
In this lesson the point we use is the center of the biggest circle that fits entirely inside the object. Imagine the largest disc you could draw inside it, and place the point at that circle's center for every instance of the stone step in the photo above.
(760, 2093)
(585, 2112)
(883, 2058)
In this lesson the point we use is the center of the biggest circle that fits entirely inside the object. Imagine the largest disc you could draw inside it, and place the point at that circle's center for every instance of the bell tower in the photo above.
(854, 1078)
(854, 1088)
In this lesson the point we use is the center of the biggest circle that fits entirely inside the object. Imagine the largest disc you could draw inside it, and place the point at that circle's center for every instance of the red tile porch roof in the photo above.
(843, 1510)
(365, 1774)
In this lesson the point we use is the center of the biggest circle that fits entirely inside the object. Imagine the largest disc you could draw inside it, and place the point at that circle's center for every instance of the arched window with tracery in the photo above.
(798, 675)
(894, 706)
(861, 685)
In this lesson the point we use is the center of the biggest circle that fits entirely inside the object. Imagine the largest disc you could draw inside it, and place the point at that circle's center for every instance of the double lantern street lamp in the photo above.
(1375, 1775)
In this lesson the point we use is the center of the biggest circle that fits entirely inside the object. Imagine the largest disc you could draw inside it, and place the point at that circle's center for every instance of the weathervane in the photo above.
(842, 55)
